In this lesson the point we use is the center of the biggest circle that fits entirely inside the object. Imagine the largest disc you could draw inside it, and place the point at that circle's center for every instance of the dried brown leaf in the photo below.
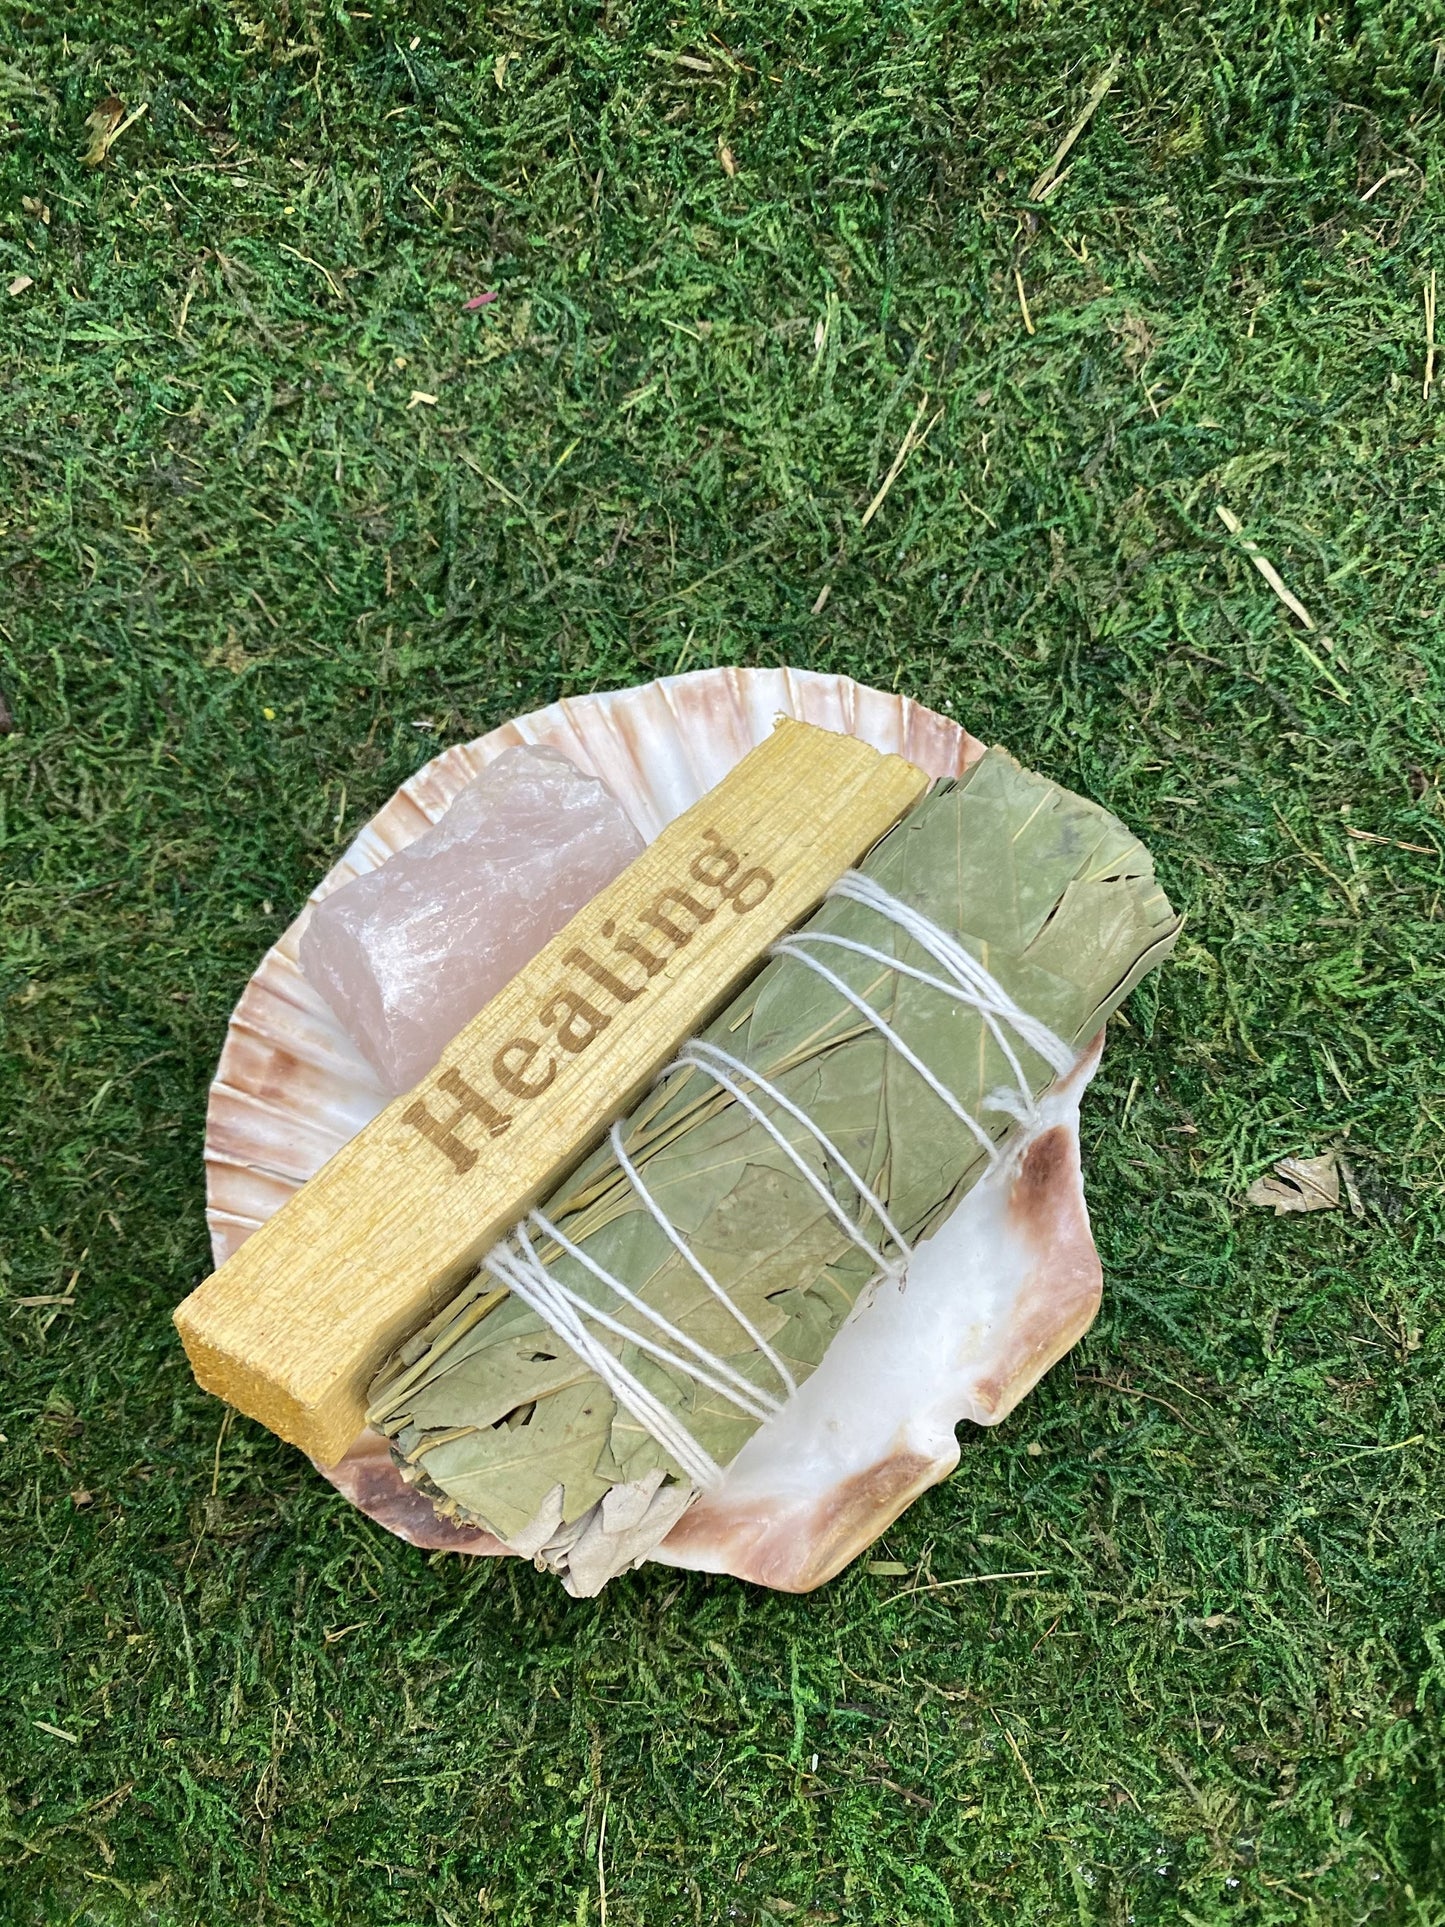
(105, 125)
(1299, 1184)
(725, 156)
(101, 127)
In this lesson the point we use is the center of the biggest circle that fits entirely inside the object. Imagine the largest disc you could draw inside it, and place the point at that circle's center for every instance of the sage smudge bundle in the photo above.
(637, 1329)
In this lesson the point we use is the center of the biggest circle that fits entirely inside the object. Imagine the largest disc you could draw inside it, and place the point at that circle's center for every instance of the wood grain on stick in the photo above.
(293, 1326)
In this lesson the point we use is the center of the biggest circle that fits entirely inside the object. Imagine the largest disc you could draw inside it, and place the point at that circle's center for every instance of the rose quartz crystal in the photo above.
(409, 953)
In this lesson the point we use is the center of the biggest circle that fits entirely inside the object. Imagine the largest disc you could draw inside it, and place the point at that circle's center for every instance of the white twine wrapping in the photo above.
(515, 1263)
(685, 1251)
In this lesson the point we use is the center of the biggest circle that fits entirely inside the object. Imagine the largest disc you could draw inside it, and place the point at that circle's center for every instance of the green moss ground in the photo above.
(253, 582)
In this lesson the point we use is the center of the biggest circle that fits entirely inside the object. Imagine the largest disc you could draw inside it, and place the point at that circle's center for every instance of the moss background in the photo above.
(281, 515)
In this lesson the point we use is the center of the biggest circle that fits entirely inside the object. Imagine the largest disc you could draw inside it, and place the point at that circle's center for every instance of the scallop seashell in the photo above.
(995, 1298)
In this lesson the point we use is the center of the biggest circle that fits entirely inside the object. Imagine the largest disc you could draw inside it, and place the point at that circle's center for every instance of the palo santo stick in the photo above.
(293, 1326)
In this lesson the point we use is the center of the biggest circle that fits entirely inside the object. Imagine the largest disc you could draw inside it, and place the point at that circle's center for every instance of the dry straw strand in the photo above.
(1266, 568)
(910, 441)
(1091, 107)
(1029, 327)
(1429, 335)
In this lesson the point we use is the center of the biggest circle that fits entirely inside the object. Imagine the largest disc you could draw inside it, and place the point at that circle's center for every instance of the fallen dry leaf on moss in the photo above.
(105, 125)
(1299, 1184)
(101, 127)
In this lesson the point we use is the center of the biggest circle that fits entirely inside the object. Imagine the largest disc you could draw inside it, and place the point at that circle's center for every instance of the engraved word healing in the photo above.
(575, 1012)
